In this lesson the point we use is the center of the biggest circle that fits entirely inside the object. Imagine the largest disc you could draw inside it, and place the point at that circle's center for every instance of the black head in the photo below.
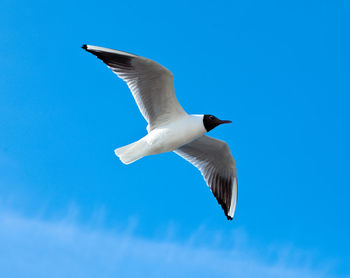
(211, 122)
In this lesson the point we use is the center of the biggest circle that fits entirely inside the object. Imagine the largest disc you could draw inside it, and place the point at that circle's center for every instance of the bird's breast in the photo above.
(175, 134)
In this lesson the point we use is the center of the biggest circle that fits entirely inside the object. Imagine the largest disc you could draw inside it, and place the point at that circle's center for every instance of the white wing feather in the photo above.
(214, 159)
(151, 84)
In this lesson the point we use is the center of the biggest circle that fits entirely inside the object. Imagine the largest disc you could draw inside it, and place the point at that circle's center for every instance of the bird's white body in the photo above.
(164, 138)
(170, 136)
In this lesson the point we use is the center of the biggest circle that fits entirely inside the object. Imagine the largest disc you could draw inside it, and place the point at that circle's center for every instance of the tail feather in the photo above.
(132, 152)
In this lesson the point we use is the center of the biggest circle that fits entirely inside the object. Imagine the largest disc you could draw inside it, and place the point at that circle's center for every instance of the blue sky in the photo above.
(279, 70)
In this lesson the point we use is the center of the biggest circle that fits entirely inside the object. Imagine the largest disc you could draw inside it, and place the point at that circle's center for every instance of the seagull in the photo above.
(170, 128)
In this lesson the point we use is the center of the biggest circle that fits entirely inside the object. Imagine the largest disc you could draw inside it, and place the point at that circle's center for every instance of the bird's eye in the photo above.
(211, 118)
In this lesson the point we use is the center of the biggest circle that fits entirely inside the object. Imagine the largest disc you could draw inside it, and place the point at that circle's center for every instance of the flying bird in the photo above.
(170, 128)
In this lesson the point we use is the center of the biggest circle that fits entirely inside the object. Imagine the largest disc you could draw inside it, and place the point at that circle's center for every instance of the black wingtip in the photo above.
(84, 46)
(229, 217)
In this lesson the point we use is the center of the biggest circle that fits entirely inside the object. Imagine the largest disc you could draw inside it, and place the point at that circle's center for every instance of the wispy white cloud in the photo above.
(34, 247)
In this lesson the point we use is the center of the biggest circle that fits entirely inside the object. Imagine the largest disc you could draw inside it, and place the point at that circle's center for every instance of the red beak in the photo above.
(225, 122)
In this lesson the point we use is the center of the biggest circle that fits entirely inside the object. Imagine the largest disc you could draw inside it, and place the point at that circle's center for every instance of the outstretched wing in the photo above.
(214, 159)
(151, 84)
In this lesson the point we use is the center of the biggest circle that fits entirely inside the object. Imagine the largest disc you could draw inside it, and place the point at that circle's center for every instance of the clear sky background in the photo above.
(278, 69)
